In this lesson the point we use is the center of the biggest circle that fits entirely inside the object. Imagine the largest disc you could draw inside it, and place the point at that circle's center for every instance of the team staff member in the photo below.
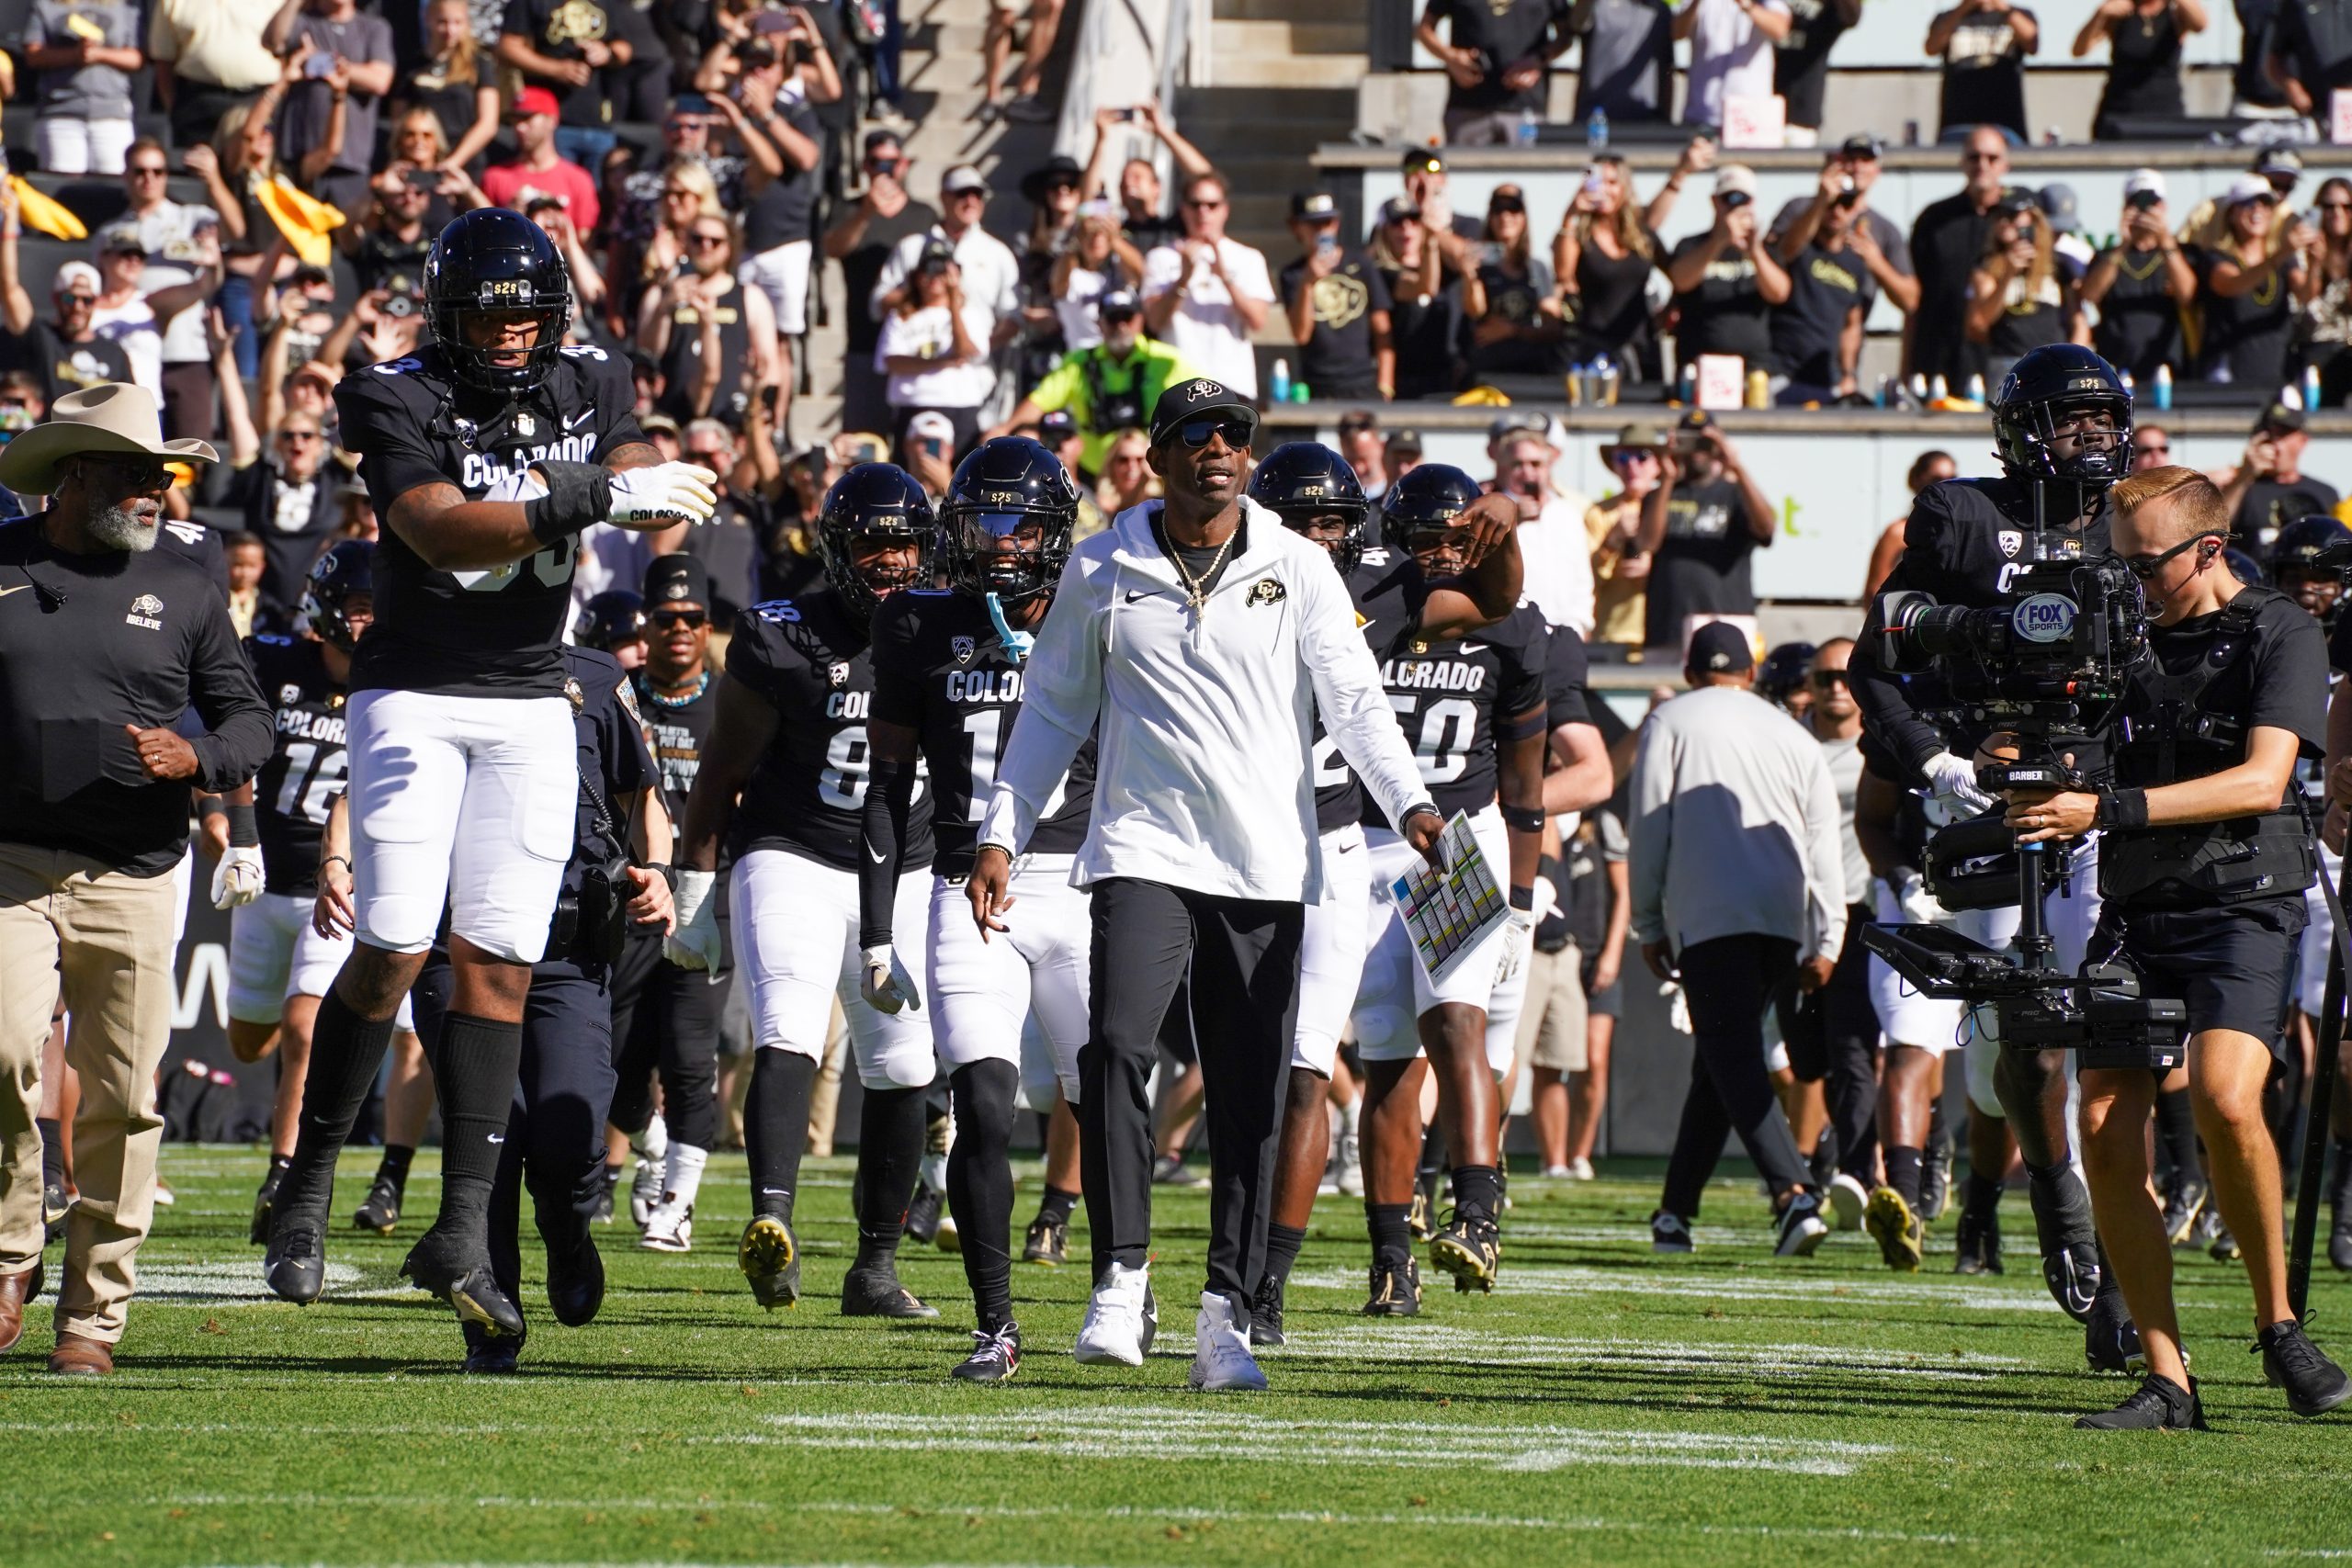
(2202, 878)
(1106, 387)
(103, 644)
(1231, 634)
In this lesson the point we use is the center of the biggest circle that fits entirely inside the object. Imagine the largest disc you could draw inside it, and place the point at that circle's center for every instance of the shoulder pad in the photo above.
(777, 610)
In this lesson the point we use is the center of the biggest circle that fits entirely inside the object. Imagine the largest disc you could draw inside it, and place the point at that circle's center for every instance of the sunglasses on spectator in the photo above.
(1204, 206)
(2145, 567)
(705, 239)
(156, 170)
(1507, 204)
(692, 620)
(1628, 456)
(2335, 207)
(1984, 157)
(298, 436)
(2147, 446)
(135, 475)
(1825, 679)
(1196, 432)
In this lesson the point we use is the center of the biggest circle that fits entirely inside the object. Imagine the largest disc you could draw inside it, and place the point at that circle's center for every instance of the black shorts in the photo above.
(1607, 1002)
(2232, 968)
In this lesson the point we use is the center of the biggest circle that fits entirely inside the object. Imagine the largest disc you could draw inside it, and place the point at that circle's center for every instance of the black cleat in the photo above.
(769, 1256)
(994, 1357)
(575, 1279)
(2157, 1404)
(491, 1355)
(2062, 1224)
(1422, 1216)
(1978, 1242)
(295, 1267)
(1048, 1244)
(2339, 1239)
(2183, 1203)
(1935, 1179)
(1800, 1229)
(259, 1234)
(2110, 1340)
(2314, 1384)
(440, 1265)
(380, 1210)
(922, 1214)
(1266, 1315)
(875, 1291)
(1670, 1233)
(54, 1206)
(1470, 1248)
(2225, 1247)
(1395, 1288)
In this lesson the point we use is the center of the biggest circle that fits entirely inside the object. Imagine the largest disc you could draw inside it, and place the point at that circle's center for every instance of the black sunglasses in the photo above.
(1825, 679)
(692, 620)
(1196, 432)
(2145, 567)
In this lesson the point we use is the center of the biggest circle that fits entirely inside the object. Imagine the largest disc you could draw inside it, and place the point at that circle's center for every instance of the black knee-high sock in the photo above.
(480, 1059)
(1282, 1243)
(1478, 1189)
(775, 1128)
(346, 1050)
(52, 1151)
(889, 1158)
(393, 1167)
(979, 1184)
(1903, 1172)
(2176, 1132)
(1055, 1206)
(1391, 1228)
(1983, 1194)
(1433, 1152)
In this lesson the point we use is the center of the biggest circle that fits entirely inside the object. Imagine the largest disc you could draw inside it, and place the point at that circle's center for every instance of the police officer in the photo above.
(2202, 879)
(2063, 422)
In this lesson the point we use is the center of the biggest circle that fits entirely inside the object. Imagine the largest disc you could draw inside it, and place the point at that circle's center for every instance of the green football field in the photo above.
(1603, 1407)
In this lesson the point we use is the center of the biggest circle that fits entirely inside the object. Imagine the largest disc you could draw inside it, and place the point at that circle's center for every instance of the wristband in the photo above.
(1524, 818)
(331, 860)
(1523, 899)
(2122, 808)
(211, 805)
(668, 874)
(578, 494)
(243, 833)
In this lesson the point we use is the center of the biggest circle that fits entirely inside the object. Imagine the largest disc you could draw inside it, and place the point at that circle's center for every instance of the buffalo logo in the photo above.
(525, 427)
(1267, 591)
(290, 693)
(1420, 646)
(1202, 391)
(837, 672)
(144, 610)
(963, 648)
(2011, 541)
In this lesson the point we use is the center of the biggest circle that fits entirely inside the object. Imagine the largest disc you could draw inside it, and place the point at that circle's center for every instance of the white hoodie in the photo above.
(1206, 779)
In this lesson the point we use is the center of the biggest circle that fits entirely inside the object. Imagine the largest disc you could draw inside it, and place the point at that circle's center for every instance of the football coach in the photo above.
(1198, 639)
(104, 641)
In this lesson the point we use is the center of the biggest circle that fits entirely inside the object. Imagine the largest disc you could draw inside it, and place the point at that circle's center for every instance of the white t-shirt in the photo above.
(1206, 329)
(134, 326)
(1081, 327)
(929, 333)
(169, 235)
(1728, 56)
(1557, 563)
(991, 277)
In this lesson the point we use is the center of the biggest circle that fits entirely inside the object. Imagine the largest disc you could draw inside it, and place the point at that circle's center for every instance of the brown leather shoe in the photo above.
(79, 1355)
(15, 1290)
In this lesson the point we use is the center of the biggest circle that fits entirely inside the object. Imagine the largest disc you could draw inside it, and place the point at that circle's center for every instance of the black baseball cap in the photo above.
(1055, 426)
(1419, 158)
(676, 580)
(1861, 145)
(1197, 399)
(2280, 417)
(1720, 647)
(1118, 304)
(1314, 204)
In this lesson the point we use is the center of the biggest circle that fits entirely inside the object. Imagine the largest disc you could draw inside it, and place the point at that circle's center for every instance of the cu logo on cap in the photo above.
(1202, 391)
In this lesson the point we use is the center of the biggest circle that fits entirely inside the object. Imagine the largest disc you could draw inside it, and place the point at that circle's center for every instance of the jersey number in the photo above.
(2010, 570)
(985, 728)
(842, 780)
(552, 566)
(312, 776)
(1448, 725)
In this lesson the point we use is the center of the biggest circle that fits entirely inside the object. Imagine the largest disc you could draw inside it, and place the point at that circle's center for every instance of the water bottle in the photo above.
(1886, 391)
(1606, 379)
(1596, 131)
(1302, 393)
(2311, 388)
(1937, 390)
(1278, 384)
(1919, 389)
(1690, 382)
(1976, 389)
(2160, 383)
(1575, 385)
(1528, 121)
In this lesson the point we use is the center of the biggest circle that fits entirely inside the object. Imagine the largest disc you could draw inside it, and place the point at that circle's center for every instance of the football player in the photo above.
(485, 454)
(789, 739)
(947, 687)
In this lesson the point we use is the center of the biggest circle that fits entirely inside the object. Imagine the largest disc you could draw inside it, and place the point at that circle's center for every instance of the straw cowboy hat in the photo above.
(113, 417)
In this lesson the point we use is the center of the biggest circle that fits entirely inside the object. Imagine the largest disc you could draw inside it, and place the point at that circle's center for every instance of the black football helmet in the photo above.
(875, 501)
(2053, 381)
(348, 568)
(1431, 496)
(1004, 484)
(494, 259)
(1784, 670)
(2301, 542)
(1301, 480)
(615, 615)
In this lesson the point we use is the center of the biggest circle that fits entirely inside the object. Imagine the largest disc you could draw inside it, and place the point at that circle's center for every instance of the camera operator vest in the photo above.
(2171, 729)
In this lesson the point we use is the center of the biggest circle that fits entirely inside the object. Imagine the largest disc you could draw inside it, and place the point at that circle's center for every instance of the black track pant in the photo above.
(666, 1018)
(1833, 1041)
(1240, 957)
(1728, 981)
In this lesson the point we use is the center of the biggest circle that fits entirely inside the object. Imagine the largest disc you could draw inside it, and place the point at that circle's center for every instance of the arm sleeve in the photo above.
(1825, 862)
(1348, 695)
(223, 691)
(898, 685)
(883, 828)
(1061, 696)
(1566, 671)
(1526, 687)
(616, 394)
(1650, 833)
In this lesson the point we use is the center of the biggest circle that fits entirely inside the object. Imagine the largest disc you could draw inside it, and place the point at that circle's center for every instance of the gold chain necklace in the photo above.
(1196, 588)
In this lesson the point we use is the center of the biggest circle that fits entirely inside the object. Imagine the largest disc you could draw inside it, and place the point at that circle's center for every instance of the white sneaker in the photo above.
(670, 1227)
(1116, 1331)
(645, 1189)
(1221, 1358)
(1558, 1173)
(1849, 1199)
(1579, 1169)
(948, 1240)
(1350, 1165)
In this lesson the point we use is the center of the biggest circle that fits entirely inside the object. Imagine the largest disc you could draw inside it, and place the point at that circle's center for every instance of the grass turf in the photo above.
(1603, 1406)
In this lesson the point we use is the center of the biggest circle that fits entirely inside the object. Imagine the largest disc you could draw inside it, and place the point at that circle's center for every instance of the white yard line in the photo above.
(1757, 1286)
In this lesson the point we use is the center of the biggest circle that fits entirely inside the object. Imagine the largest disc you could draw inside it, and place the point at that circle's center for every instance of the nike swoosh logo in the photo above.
(574, 423)
(18, 589)
(872, 856)
(1134, 594)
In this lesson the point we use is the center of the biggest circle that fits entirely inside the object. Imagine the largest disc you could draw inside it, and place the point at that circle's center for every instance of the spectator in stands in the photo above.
(1983, 44)
(2207, 227)
(1731, 53)
(389, 246)
(2268, 488)
(1602, 257)
(1109, 388)
(245, 559)
(1626, 67)
(1051, 191)
(2143, 39)
(2072, 251)
(242, 156)
(2151, 447)
(2325, 335)
(712, 335)
(1127, 479)
(1142, 221)
(1726, 281)
(646, 254)
(1360, 443)
(1098, 261)
(63, 354)
(209, 57)
(1849, 175)
(560, 46)
(1006, 18)
(934, 349)
(327, 127)
(986, 270)
(588, 285)
(1510, 300)
(1700, 527)
(86, 53)
(1401, 453)
(418, 142)
(2254, 93)
(2141, 285)
(1426, 186)
(1206, 295)
(1929, 468)
(456, 83)
(784, 151)
(1800, 62)
(862, 240)
(538, 168)
(2311, 53)
(1558, 561)
(1498, 56)
(2017, 299)
(1611, 525)
(1422, 307)
(287, 500)
(132, 316)
(1947, 242)
(2249, 291)
(1338, 308)
(1817, 330)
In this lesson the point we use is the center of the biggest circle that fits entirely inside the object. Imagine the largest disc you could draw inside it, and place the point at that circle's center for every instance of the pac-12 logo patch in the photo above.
(1267, 591)
(963, 648)
(838, 673)
(290, 693)
(2011, 542)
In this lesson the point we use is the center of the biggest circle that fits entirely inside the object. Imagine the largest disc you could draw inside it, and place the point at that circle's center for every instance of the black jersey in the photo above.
(941, 670)
(496, 632)
(1567, 674)
(809, 659)
(197, 544)
(1449, 694)
(307, 761)
(680, 730)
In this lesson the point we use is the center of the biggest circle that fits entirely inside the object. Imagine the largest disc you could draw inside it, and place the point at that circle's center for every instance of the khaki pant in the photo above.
(1551, 1020)
(108, 938)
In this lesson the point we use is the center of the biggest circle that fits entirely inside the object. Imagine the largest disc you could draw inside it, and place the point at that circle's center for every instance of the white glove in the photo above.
(662, 494)
(885, 983)
(1917, 904)
(237, 879)
(695, 943)
(1954, 778)
(1547, 898)
(1519, 937)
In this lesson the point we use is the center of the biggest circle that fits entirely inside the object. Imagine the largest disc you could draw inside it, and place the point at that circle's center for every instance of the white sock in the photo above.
(684, 1179)
(654, 1142)
(1349, 1114)
(935, 1172)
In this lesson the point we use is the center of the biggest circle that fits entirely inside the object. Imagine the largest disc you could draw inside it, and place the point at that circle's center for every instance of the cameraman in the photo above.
(2063, 422)
(2203, 876)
